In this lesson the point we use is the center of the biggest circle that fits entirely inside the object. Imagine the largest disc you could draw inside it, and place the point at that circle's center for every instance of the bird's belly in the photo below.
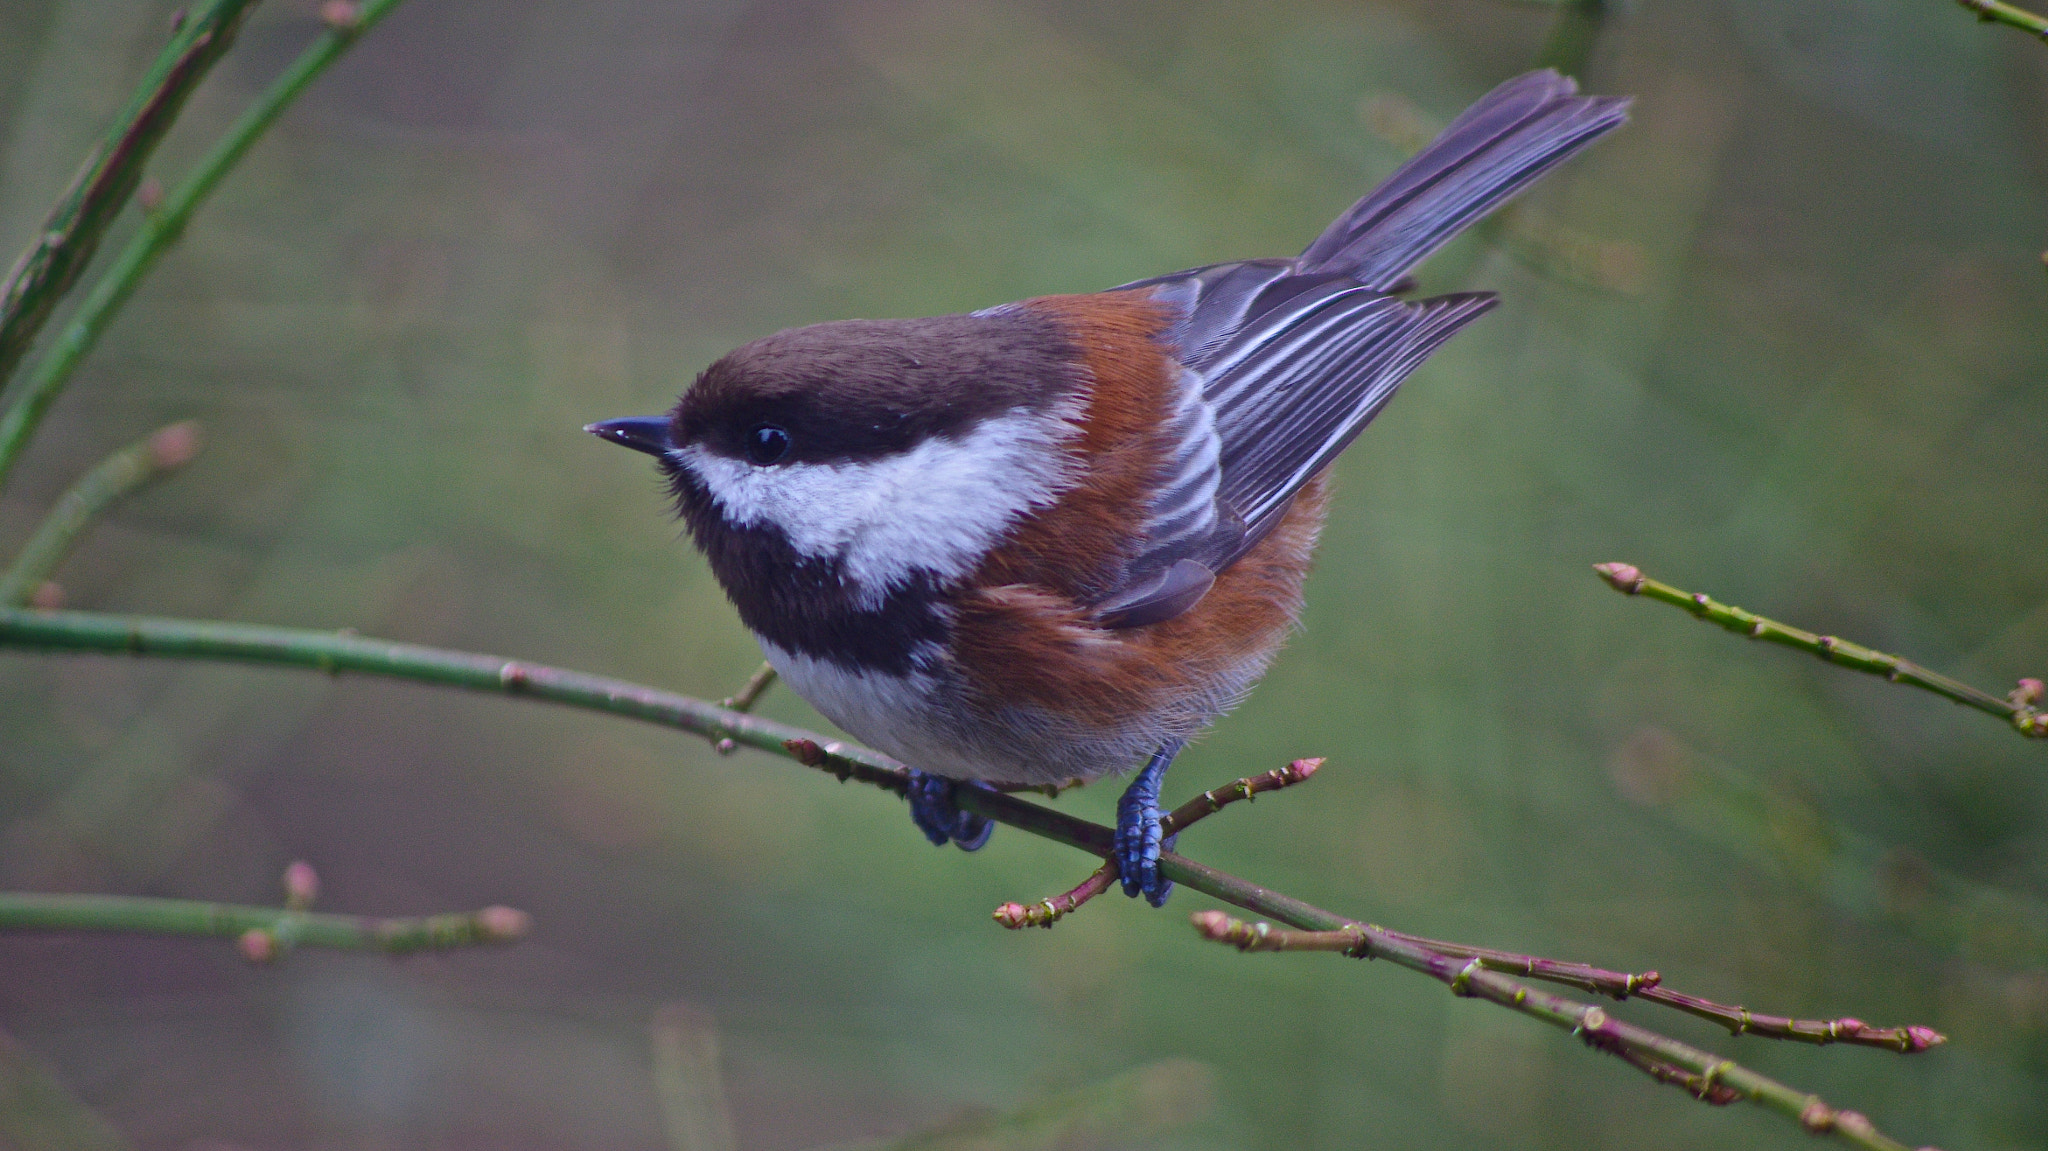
(923, 720)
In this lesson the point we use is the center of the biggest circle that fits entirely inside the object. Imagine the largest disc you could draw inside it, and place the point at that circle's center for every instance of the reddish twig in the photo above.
(1699, 1086)
(1647, 986)
(1210, 802)
(1047, 912)
(1715, 1082)
(1819, 1032)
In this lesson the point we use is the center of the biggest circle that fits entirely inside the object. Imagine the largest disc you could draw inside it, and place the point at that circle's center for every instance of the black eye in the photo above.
(767, 444)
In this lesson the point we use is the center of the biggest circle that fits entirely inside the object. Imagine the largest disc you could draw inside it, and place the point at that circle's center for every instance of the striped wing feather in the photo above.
(1286, 361)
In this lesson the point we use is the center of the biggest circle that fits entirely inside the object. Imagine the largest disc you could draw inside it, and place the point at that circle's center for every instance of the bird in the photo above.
(1053, 539)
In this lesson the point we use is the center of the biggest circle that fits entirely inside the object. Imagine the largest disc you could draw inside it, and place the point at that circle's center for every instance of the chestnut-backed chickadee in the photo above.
(1048, 539)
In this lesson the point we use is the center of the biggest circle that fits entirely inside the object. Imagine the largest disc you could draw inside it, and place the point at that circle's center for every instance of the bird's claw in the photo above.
(936, 814)
(1139, 836)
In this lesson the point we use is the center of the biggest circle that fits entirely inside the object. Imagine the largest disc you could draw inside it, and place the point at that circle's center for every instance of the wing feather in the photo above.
(1285, 361)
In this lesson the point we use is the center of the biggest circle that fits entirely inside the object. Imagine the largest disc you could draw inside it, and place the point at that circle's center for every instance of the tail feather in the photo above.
(1498, 147)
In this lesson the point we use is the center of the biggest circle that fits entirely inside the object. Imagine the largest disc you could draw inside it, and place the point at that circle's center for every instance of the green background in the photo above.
(1780, 340)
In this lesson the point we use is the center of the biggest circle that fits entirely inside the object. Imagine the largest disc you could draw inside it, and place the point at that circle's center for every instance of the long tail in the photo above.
(1498, 147)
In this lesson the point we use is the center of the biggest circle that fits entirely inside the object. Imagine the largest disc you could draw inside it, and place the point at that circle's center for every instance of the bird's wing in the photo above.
(1507, 140)
(1289, 384)
(1286, 361)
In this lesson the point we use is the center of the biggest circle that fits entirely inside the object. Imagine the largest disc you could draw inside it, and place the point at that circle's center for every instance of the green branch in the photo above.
(162, 227)
(115, 478)
(1705, 1075)
(54, 261)
(1998, 12)
(261, 930)
(334, 653)
(2017, 708)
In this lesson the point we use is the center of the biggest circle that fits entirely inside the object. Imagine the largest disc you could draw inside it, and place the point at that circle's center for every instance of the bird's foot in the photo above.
(1138, 833)
(933, 810)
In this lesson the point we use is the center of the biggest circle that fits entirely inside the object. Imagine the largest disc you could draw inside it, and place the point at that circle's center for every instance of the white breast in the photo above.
(909, 717)
(923, 720)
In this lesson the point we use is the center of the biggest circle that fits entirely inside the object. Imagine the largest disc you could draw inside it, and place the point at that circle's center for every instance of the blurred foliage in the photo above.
(37, 1111)
(1814, 387)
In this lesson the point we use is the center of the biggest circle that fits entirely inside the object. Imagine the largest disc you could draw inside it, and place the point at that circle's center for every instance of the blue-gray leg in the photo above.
(933, 810)
(1138, 840)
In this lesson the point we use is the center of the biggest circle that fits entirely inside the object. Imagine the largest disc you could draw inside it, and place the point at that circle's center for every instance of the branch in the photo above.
(59, 254)
(262, 933)
(750, 692)
(2017, 708)
(162, 227)
(744, 699)
(1701, 1073)
(1618, 985)
(1997, 12)
(115, 478)
(1706, 1075)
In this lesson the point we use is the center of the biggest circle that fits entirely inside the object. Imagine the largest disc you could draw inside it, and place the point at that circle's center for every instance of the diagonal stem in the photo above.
(1701, 1073)
(2017, 709)
(1047, 912)
(750, 692)
(1647, 985)
(60, 252)
(110, 481)
(1998, 12)
(1216, 799)
(160, 229)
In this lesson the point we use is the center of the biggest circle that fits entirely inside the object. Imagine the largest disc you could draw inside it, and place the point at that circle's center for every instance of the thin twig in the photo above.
(744, 700)
(1700, 1073)
(2017, 708)
(28, 911)
(1047, 912)
(1216, 799)
(1998, 12)
(112, 480)
(1819, 1032)
(750, 692)
(326, 651)
(1647, 986)
(262, 933)
(161, 228)
(1700, 1087)
(53, 261)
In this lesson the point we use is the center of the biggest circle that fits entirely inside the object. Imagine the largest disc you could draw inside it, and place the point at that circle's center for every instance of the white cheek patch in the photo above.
(935, 509)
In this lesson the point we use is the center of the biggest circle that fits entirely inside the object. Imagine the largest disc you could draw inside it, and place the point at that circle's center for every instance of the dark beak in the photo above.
(641, 433)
